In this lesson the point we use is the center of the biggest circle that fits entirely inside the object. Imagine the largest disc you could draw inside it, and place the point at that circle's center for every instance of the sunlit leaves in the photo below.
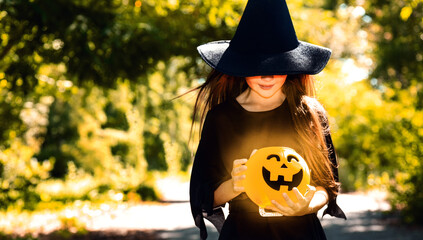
(19, 175)
(406, 12)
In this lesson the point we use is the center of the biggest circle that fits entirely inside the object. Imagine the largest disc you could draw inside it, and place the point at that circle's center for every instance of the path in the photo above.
(174, 221)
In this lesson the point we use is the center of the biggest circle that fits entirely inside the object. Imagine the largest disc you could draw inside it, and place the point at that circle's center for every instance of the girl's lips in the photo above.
(266, 87)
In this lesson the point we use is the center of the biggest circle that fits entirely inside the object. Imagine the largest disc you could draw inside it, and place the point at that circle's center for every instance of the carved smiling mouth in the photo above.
(296, 180)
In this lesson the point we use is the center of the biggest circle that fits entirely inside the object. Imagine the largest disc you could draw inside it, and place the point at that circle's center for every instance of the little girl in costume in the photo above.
(260, 93)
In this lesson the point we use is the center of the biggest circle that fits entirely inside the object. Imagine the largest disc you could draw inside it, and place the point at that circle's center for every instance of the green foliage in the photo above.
(395, 29)
(85, 35)
(399, 52)
(19, 176)
(154, 152)
(147, 193)
(378, 142)
(185, 158)
(8, 237)
(399, 74)
(120, 150)
(93, 70)
(407, 194)
(115, 118)
(10, 108)
(380, 137)
(60, 130)
(103, 41)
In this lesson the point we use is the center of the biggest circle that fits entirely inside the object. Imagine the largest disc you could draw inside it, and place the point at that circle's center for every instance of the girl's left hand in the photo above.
(299, 208)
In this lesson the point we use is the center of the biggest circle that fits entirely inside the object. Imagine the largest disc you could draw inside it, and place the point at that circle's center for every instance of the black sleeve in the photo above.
(206, 176)
(333, 209)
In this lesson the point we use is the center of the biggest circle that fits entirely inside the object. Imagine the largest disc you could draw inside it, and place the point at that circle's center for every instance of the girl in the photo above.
(260, 93)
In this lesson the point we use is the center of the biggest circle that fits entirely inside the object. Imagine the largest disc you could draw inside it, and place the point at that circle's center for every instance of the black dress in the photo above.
(230, 132)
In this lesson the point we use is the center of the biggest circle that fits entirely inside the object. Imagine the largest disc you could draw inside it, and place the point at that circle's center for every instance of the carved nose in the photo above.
(284, 166)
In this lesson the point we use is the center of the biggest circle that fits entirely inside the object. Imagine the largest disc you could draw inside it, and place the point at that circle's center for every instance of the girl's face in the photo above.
(266, 86)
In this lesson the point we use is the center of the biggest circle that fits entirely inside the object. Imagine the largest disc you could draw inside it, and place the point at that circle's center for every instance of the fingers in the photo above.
(237, 183)
(300, 197)
(289, 202)
(239, 189)
(238, 170)
(238, 178)
(310, 194)
(239, 162)
(238, 166)
(297, 206)
(275, 209)
(279, 208)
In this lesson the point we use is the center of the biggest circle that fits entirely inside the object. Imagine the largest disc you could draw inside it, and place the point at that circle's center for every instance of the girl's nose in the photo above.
(267, 77)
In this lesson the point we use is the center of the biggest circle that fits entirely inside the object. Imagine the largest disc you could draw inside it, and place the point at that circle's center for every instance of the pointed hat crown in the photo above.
(265, 43)
(265, 27)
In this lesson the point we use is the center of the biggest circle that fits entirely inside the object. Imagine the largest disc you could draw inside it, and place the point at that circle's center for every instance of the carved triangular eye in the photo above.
(290, 157)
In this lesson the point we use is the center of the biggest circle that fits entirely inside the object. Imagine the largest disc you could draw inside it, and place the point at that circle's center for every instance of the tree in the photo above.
(99, 42)
(81, 53)
(387, 138)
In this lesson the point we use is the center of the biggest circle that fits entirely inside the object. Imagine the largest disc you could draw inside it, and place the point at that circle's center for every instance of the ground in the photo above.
(364, 211)
(171, 219)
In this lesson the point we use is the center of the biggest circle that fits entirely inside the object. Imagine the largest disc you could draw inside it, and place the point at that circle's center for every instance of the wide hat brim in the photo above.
(306, 58)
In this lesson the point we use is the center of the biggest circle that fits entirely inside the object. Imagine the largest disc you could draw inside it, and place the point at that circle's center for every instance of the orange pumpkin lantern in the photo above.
(272, 171)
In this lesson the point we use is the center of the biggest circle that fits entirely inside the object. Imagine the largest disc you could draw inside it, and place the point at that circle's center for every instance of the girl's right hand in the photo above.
(237, 173)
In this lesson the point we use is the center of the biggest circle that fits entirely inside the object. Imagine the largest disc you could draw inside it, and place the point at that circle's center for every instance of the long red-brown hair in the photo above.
(308, 115)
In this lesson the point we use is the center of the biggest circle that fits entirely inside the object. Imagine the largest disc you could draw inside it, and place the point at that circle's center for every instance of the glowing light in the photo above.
(138, 4)
(353, 72)
(117, 197)
(173, 188)
(405, 13)
(57, 44)
(105, 207)
(3, 83)
(70, 213)
(367, 19)
(358, 11)
(387, 36)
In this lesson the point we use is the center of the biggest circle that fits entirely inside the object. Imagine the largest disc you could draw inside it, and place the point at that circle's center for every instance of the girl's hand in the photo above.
(237, 176)
(299, 208)
(237, 173)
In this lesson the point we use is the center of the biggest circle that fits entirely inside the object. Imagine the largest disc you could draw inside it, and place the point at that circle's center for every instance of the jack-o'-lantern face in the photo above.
(285, 172)
(272, 171)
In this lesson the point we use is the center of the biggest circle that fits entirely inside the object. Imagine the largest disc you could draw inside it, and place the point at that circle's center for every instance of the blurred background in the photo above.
(91, 135)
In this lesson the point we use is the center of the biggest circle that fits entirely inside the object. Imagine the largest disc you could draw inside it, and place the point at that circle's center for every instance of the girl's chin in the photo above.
(266, 94)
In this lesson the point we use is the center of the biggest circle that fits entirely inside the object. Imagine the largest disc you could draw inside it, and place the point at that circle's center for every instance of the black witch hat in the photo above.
(265, 43)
